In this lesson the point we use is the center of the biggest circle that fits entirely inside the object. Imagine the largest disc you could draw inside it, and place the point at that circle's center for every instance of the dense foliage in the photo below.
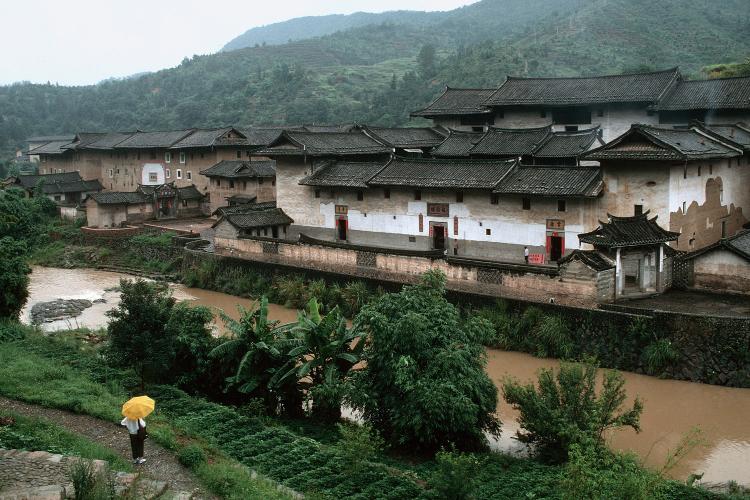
(424, 385)
(367, 74)
(159, 340)
(566, 410)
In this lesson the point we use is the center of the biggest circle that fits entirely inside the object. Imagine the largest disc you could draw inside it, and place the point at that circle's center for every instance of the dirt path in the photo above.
(161, 465)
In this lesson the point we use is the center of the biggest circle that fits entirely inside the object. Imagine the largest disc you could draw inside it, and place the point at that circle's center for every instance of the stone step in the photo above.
(53, 492)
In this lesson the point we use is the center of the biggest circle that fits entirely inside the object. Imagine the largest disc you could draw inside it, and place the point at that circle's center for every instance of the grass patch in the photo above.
(36, 434)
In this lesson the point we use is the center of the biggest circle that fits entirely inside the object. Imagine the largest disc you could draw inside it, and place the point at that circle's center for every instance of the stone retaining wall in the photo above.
(574, 285)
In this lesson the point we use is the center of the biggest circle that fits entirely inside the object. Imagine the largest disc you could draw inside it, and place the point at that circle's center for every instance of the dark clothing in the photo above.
(526, 258)
(136, 442)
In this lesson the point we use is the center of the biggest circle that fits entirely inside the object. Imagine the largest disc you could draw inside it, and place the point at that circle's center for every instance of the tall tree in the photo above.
(14, 277)
(424, 384)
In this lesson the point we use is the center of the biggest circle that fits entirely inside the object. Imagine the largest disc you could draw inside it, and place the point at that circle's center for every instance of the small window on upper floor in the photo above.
(387, 194)
(168, 173)
(273, 182)
(494, 199)
(459, 197)
(260, 180)
(239, 154)
(637, 209)
(723, 229)
(542, 114)
(183, 157)
(710, 169)
(317, 193)
(417, 195)
(526, 203)
(231, 183)
(699, 170)
(168, 157)
(152, 155)
(600, 112)
(360, 195)
(560, 205)
(684, 207)
(488, 232)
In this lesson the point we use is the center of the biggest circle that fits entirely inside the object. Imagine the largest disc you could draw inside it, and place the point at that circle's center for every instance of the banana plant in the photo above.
(323, 349)
(253, 347)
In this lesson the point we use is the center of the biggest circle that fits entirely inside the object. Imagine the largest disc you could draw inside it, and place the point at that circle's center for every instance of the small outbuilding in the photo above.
(721, 267)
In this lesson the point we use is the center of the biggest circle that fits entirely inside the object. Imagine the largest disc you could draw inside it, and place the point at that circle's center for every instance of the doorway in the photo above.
(555, 248)
(438, 237)
(342, 227)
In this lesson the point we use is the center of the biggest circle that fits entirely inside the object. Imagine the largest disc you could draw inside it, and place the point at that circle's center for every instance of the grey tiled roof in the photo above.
(457, 102)
(83, 139)
(120, 198)
(559, 181)
(107, 141)
(637, 230)
(261, 136)
(50, 148)
(245, 208)
(72, 187)
(737, 133)
(406, 137)
(343, 174)
(204, 138)
(591, 258)
(645, 142)
(324, 144)
(258, 218)
(568, 144)
(189, 193)
(633, 87)
(457, 144)
(510, 142)
(51, 138)
(720, 93)
(239, 169)
(30, 181)
(738, 244)
(442, 173)
(162, 139)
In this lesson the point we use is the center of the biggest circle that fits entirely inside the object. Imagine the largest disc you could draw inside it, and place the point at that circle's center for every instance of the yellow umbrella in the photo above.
(138, 407)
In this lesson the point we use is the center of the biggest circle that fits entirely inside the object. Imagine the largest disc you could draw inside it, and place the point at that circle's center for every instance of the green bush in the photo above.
(90, 484)
(12, 330)
(453, 478)
(359, 444)
(565, 409)
(192, 456)
(552, 337)
(659, 355)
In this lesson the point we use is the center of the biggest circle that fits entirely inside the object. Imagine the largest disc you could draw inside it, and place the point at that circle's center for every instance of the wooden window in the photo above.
(183, 157)
(387, 194)
(560, 205)
(168, 157)
(637, 209)
(152, 154)
(542, 114)
(699, 170)
(179, 173)
(239, 154)
(723, 229)
(437, 209)
(231, 183)
(710, 169)
(317, 193)
(526, 203)
(459, 197)
(273, 182)
(260, 180)
(360, 195)
(488, 232)
(417, 195)
(494, 199)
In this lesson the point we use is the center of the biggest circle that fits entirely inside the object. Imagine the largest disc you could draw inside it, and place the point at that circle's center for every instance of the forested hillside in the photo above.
(378, 73)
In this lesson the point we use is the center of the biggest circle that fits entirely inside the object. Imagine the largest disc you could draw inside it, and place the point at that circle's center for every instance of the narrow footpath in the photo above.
(161, 464)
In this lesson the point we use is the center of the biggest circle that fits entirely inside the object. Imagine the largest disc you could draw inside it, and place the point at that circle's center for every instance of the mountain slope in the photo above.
(372, 74)
(310, 27)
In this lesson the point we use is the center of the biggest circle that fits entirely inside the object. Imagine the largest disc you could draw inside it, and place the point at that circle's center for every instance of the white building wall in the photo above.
(152, 168)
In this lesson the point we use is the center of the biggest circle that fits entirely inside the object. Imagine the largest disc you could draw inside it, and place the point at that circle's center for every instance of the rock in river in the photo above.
(46, 312)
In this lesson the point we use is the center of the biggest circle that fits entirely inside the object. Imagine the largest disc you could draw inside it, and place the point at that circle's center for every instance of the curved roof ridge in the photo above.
(674, 69)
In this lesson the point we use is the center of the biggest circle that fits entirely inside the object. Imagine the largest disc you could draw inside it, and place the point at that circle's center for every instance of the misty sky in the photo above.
(78, 42)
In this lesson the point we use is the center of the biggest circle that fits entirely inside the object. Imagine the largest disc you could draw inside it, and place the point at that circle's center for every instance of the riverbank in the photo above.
(672, 408)
(306, 458)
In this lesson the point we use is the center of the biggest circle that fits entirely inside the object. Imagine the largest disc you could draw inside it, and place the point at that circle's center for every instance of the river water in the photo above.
(671, 408)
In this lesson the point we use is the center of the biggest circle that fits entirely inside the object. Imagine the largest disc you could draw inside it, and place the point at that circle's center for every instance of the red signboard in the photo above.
(455, 226)
(437, 209)
(421, 223)
(536, 258)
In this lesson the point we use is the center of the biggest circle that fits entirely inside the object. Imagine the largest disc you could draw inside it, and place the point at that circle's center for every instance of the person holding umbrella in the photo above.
(134, 411)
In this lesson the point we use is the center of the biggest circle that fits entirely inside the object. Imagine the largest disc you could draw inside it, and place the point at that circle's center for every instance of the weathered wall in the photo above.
(722, 271)
(573, 287)
(220, 189)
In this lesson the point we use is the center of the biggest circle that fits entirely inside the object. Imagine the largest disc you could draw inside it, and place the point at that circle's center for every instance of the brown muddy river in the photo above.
(671, 408)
